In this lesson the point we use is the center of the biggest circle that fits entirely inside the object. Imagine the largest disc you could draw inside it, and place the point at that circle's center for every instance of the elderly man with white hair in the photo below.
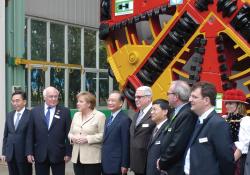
(141, 130)
(47, 140)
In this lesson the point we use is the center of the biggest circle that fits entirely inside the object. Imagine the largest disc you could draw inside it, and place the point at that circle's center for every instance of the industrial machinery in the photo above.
(152, 42)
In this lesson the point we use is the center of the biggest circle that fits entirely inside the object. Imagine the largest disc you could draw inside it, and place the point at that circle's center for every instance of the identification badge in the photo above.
(57, 116)
(203, 140)
(158, 142)
(145, 125)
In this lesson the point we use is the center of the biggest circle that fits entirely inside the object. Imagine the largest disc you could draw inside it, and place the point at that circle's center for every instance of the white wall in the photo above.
(2, 68)
(81, 12)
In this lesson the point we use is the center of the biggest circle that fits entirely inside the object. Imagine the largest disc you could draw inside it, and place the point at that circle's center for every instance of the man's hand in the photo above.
(30, 159)
(157, 164)
(67, 159)
(124, 170)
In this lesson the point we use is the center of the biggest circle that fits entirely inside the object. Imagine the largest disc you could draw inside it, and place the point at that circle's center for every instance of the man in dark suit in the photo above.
(160, 114)
(179, 130)
(47, 143)
(15, 133)
(210, 147)
(115, 148)
(140, 130)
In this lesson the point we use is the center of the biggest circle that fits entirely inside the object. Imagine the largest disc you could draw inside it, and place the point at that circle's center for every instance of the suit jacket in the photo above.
(175, 140)
(14, 140)
(154, 148)
(211, 148)
(53, 143)
(93, 128)
(115, 148)
(139, 139)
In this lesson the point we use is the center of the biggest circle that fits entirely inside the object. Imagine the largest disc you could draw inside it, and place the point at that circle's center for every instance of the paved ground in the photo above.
(4, 169)
(69, 169)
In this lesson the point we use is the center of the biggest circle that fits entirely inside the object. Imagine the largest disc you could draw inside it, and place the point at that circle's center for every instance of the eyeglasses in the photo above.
(169, 93)
(140, 96)
(53, 96)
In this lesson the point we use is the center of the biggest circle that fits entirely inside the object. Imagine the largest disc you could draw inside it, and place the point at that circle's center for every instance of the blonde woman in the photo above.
(86, 134)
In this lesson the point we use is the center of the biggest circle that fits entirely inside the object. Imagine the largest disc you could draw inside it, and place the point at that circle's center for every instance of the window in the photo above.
(37, 86)
(76, 46)
(56, 43)
(38, 40)
(103, 56)
(57, 80)
(103, 88)
(89, 48)
(74, 86)
(90, 84)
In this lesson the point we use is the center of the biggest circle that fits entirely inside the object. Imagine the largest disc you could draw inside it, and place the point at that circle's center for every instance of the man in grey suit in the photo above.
(15, 133)
(140, 130)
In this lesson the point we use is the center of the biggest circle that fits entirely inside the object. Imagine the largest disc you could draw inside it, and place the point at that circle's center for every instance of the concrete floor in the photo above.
(4, 169)
(69, 169)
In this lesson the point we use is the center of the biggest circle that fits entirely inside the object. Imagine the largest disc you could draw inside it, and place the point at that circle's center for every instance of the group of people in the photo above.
(180, 136)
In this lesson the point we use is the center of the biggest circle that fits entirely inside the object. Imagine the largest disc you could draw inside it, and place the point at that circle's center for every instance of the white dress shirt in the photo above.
(52, 112)
(244, 135)
(187, 159)
(15, 116)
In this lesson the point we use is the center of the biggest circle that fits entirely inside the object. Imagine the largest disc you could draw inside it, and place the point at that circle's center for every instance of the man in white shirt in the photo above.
(210, 148)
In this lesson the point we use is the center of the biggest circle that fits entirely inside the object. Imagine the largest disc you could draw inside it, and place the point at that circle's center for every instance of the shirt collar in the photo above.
(146, 109)
(160, 124)
(205, 115)
(115, 113)
(21, 111)
(178, 108)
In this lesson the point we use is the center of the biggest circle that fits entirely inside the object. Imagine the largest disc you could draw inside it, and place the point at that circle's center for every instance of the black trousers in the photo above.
(87, 169)
(19, 168)
(43, 168)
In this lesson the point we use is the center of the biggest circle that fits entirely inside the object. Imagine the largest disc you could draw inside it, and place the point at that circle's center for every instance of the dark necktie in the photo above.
(110, 121)
(17, 120)
(155, 131)
(47, 116)
(139, 118)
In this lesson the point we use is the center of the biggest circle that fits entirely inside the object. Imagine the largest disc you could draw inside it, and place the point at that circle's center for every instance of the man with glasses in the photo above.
(210, 149)
(47, 141)
(179, 130)
(141, 130)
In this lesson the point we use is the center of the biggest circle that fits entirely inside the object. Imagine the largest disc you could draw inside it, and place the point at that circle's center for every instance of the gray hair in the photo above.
(147, 90)
(50, 87)
(181, 89)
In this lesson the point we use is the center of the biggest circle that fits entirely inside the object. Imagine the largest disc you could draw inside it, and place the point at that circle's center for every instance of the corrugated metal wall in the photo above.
(82, 12)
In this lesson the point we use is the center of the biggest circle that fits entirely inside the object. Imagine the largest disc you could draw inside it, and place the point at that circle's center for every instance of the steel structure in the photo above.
(195, 40)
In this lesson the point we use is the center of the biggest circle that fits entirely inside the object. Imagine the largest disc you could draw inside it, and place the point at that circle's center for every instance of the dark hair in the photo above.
(19, 92)
(164, 104)
(121, 98)
(207, 90)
